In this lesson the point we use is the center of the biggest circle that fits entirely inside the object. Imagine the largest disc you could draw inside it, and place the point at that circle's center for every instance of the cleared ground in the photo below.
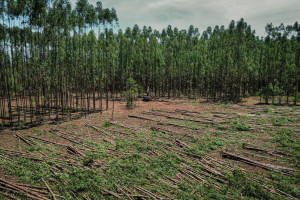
(169, 149)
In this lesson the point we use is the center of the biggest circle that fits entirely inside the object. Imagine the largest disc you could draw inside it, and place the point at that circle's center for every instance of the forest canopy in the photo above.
(56, 59)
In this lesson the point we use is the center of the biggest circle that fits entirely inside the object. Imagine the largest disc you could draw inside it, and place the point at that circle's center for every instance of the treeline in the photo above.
(56, 60)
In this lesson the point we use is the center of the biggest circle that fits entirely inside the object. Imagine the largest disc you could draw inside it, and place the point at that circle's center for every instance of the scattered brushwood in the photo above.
(57, 162)
(284, 170)
(142, 118)
(264, 150)
(177, 118)
(74, 151)
(187, 111)
(198, 177)
(117, 133)
(110, 142)
(181, 144)
(166, 101)
(211, 169)
(16, 189)
(121, 125)
(107, 192)
(270, 189)
(74, 140)
(221, 166)
(122, 190)
(30, 143)
(165, 111)
(49, 189)
(147, 193)
(174, 125)
(19, 154)
(98, 129)
(183, 154)
(47, 141)
(171, 133)
(133, 130)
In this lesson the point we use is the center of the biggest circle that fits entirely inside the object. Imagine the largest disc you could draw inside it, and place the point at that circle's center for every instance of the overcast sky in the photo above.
(203, 13)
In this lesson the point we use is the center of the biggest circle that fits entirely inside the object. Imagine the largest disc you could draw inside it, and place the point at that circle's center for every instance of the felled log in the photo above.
(24, 139)
(285, 170)
(265, 150)
(74, 151)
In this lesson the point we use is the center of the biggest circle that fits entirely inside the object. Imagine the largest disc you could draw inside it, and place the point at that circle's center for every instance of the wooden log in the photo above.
(285, 170)
(265, 150)
(24, 139)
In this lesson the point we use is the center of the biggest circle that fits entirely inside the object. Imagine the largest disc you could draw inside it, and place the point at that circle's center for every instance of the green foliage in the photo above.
(82, 181)
(240, 126)
(107, 124)
(28, 171)
(241, 185)
(288, 142)
(267, 109)
(207, 145)
(89, 158)
(134, 169)
(297, 97)
(279, 121)
(267, 92)
(218, 133)
(286, 183)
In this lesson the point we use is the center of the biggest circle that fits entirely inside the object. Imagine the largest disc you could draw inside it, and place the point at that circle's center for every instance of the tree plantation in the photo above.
(57, 60)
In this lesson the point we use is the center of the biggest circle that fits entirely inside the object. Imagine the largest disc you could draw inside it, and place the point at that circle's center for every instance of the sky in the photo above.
(203, 13)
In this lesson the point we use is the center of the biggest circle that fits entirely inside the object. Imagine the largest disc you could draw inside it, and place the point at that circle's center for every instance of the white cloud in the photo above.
(203, 13)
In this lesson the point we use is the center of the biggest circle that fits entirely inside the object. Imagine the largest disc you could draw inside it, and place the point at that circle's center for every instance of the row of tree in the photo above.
(56, 60)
